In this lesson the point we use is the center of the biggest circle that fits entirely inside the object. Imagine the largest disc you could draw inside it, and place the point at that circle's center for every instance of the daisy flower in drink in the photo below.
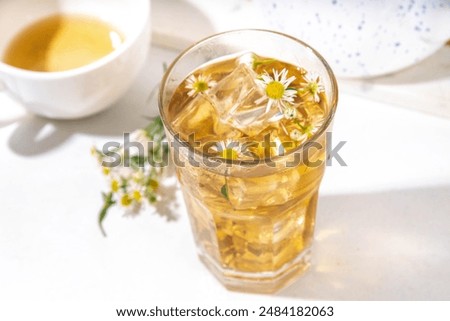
(290, 113)
(198, 84)
(313, 125)
(229, 149)
(297, 135)
(277, 88)
(313, 86)
(306, 129)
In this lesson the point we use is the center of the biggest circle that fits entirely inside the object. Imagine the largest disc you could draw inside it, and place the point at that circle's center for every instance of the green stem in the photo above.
(108, 202)
(297, 122)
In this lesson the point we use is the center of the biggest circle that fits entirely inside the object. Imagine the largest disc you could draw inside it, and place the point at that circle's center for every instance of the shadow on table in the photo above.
(385, 246)
(36, 135)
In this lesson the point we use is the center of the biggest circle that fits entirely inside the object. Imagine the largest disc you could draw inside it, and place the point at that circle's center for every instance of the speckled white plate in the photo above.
(364, 38)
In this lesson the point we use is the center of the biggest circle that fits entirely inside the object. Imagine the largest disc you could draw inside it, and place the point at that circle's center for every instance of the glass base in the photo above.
(262, 282)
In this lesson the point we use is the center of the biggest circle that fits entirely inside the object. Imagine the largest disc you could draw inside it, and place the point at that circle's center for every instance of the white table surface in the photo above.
(383, 229)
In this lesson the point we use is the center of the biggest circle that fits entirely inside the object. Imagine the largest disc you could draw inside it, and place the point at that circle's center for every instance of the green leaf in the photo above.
(224, 191)
(155, 128)
(108, 202)
(137, 161)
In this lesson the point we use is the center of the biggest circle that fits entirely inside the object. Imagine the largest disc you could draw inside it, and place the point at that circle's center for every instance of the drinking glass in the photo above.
(253, 221)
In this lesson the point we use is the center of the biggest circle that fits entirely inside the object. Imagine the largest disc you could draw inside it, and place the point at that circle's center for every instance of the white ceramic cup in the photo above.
(88, 89)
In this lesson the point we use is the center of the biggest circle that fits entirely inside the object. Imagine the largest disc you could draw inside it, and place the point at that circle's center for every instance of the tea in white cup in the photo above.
(71, 58)
(62, 42)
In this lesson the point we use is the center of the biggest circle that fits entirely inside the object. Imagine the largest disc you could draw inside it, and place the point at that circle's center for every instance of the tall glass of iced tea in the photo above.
(246, 113)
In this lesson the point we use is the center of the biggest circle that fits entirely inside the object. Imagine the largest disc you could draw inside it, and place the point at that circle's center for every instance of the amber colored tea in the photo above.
(62, 42)
(254, 223)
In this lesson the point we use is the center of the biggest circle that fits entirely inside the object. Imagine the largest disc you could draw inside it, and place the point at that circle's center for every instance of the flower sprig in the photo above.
(135, 185)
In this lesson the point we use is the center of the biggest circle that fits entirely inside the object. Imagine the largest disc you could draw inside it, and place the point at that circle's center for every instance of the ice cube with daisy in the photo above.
(251, 102)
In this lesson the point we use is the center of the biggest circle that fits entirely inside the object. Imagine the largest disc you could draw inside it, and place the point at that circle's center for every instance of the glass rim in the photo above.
(303, 146)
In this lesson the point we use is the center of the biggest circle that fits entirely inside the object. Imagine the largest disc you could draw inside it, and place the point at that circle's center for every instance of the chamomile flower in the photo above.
(306, 129)
(132, 199)
(277, 88)
(136, 192)
(297, 135)
(125, 200)
(115, 185)
(229, 149)
(137, 196)
(198, 84)
(133, 185)
(106, 170)
(313, 86)
(290, 113)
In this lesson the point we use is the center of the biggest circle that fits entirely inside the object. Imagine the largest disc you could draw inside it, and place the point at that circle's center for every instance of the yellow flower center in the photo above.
(106, 170)
(114, 186)
(275, 90)
(125, 200)
(313, 87)
(200, 86)
(229, 153)
(137, 196)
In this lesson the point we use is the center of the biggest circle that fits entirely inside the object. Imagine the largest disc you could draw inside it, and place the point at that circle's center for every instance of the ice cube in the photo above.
(241, 102)
(256, 192)
(199, 116)
(247, 58)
